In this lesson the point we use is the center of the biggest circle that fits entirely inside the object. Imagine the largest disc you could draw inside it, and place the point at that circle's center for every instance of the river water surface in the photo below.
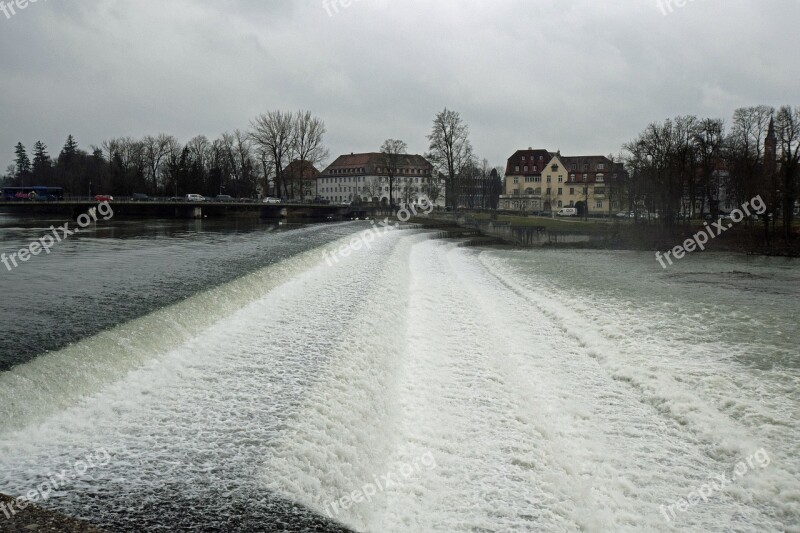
(237, 379)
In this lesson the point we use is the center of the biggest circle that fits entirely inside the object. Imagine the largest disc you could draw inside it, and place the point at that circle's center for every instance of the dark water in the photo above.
(120, 270)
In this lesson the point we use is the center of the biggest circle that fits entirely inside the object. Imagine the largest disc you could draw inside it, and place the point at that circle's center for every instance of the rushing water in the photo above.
(460, 389)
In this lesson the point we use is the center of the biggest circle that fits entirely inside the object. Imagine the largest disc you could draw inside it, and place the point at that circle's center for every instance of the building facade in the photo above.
(364, 178)
(541, 181)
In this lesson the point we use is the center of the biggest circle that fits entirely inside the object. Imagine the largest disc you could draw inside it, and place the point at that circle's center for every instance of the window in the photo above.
(586, 177)
(549, 179)
(528, 191)
(523, 158)
(600, 178)
(554, 168)
(560, 203)
(548, 191)
(586, 166)
(599, 204)
(601, 166)
(600, 191)
(572, 191)
(560, 191)
(516, 169)
(516, 179)
(526, 168)
(585, 191)
(574, 166)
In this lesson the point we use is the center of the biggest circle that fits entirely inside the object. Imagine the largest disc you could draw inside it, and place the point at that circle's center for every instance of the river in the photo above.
(236, 378)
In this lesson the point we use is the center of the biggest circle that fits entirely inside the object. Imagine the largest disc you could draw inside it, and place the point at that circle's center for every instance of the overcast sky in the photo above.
(582, 76)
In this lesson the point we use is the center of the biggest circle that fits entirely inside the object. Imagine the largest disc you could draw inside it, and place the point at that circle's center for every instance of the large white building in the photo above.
(363, 177)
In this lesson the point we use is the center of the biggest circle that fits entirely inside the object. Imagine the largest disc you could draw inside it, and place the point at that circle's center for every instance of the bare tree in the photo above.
(307, 147)
(450, 150)
(787, 129)
(432, 187)
(372, 189)
(156, 150)
(708, 141)
(274, 133)
(393, 152)
(745, 150)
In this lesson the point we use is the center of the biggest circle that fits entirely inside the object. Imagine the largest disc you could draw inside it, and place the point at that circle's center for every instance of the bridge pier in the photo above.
(191, 211)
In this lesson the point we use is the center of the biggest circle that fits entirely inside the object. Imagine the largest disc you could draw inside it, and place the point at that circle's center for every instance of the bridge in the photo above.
(293, 212)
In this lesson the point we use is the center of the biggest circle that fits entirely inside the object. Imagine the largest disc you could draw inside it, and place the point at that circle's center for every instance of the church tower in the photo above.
(771, 149)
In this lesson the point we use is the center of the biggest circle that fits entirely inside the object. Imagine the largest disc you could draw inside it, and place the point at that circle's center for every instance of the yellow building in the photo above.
(540, 181)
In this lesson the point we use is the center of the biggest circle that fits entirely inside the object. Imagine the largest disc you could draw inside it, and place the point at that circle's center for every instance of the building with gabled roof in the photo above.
(537, 183)
(363, 177)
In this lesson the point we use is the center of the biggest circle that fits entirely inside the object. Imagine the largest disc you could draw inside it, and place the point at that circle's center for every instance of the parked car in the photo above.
(140, 197)
(271, 200)
(104, 198)
(195, 198)
(223, 198)
(568, 212)
(176, 199)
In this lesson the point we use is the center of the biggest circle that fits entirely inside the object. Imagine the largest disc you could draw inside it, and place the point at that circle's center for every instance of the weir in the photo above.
(190, 210)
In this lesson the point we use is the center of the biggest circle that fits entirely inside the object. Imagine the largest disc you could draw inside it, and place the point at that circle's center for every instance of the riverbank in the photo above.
(34, 518)
(541, 232)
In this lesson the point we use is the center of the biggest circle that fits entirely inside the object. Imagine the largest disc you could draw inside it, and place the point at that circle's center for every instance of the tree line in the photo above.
(688, 166)
(237, 164)
(243, 163)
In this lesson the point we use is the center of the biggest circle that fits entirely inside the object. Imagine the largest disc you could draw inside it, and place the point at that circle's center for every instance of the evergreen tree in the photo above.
(69, 151)
(42, 165)
(22, 163)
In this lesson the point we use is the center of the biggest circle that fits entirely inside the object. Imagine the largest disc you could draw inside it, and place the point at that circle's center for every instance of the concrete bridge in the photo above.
(160, 209)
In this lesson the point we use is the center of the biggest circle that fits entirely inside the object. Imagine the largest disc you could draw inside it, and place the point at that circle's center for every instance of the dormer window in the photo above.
(555, 168)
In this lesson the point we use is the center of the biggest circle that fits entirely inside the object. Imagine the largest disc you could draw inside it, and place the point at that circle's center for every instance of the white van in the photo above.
(195, 198)
(568, 212)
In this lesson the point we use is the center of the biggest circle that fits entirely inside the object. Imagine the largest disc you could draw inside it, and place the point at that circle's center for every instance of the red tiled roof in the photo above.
(533, 159)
